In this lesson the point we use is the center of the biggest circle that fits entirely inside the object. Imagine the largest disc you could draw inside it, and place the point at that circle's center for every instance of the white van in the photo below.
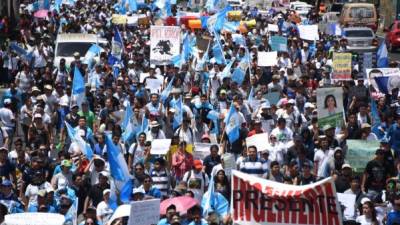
(68, 44)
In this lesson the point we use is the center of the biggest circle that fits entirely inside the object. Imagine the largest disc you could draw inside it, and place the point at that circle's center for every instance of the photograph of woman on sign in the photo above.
(330, 104)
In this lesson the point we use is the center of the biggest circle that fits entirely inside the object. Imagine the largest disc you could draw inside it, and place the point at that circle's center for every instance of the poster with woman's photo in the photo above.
(330, 106)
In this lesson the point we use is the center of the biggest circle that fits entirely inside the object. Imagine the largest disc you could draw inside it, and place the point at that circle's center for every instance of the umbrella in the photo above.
(41, 13)
(182, 203)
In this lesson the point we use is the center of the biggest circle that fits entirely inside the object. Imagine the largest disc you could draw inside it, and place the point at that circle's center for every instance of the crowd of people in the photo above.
(44, 169)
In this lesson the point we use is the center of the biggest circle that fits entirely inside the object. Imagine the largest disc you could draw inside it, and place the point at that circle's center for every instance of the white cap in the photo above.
(106, 191)
(265, 105)
(309, 105)
(7, 101)
(364, 200)
(37, 115)
(138, 190)
(292, 101)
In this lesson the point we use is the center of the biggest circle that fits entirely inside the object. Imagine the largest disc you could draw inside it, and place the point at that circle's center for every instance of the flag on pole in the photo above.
(92, 52)
(178, 115)
(382, 56)
(165, 93)
(127, 124)
(232, 125)
(122, 185)
(117, 44)
(78, 88)
(214, 201)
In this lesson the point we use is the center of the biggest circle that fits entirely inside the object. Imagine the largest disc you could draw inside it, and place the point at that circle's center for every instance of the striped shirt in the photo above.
(258, 167)
(161, 181)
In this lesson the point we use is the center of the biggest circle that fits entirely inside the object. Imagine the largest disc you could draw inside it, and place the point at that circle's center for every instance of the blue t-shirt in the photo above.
(34, 207)
(393, 217)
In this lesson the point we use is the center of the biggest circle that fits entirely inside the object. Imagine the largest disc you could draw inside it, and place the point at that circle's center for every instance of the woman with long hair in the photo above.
(368, 214)
(222, 184)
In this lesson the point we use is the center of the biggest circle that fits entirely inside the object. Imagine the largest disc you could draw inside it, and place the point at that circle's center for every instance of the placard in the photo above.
(154, 85)
(118, 19)
(37, 218)
(342, 66)
(360, 152)
(308, 32)
(201, 150)
(273, 28)
(267, 58)
(348, 201)
(145, 212)
(258, 140)
(383, 80)
(330, 107)
(203, 42)
(160, 146)
(164, 44)
(279, 43)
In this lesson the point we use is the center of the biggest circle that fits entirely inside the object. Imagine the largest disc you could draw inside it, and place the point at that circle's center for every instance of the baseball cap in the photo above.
(37, 115)
(309, 105)
(106, 191)
(364, 200)
(197, 164)
(327, 127)
(6, 183)
(42, 193)
(66, 163)
(346, 165)
(7, 101)
(138, 191)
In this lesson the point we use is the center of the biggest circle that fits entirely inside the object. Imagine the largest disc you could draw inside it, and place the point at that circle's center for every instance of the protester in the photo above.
(82, 122)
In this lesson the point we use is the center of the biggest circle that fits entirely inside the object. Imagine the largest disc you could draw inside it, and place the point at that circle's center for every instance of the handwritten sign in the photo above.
(341, 66)
(160, 146)
(145, 212)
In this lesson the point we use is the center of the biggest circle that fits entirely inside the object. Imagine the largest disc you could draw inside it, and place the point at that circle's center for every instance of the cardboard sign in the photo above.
(160, 146)
(267, 58)
(145, 212)
(263, 202)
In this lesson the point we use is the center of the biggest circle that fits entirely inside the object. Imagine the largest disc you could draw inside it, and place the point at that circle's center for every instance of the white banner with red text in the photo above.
(259, 201)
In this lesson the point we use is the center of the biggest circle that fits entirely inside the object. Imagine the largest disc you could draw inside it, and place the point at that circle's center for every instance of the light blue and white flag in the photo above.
(78, 88)
(117, 44)
(382, 56)
(122, 182)
(232, 124)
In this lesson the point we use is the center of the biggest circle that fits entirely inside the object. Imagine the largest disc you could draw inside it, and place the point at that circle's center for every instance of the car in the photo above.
(360, 39)
(236, 3)
(68, 44)
(393, 36)
(293, 5)
(359, 15)
(335, 8)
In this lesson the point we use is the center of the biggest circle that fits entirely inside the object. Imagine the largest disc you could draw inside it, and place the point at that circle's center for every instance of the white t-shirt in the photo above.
(6, 117)
(285, 135)
(31, 191)
(139, 153)
(321, 156)
(104, 210)
(364, 221)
